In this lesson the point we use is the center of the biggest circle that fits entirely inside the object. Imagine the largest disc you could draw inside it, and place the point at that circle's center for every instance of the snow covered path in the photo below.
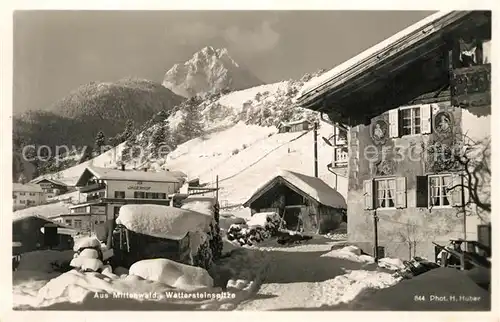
(300, 277)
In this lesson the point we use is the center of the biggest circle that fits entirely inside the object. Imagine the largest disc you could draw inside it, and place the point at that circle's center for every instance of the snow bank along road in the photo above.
(312, 276)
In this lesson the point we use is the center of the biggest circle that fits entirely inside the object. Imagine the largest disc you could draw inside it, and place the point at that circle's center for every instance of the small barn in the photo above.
(305, 203)
(27, 234)
(295, 126)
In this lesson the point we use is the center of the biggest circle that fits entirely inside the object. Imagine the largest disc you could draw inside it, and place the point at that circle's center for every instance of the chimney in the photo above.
(123, 167)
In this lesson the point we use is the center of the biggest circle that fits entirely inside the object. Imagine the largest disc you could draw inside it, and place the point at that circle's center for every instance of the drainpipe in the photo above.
(322, 117)
(329, 167)
(375, 236)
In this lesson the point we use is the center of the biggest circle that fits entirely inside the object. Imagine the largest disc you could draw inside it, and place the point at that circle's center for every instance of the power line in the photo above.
(261, 158)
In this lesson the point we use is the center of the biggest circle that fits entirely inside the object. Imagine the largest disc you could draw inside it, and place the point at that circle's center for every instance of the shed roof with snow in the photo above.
(126, 175)
(314, 187)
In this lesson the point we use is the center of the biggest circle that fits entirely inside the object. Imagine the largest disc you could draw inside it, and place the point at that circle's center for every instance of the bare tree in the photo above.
(472, 158)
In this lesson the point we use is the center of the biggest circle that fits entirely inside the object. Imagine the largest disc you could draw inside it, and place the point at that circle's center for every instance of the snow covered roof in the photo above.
(178, 173)
(294, 122)
(56, 182)
(43, 211)
(378, 53)
(29, 187)
(19, 217)
(201, 204)
(115, 174)
(314, 187)
(162, 221)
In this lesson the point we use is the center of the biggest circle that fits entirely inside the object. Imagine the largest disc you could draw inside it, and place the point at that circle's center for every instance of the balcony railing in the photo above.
(471, 86)
(92, 187)
(95, 196)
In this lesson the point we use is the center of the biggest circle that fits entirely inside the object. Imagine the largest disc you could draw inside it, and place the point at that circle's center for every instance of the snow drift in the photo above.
(175, 274)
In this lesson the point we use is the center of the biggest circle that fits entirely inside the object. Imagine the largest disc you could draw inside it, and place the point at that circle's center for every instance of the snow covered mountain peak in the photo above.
(208, 70)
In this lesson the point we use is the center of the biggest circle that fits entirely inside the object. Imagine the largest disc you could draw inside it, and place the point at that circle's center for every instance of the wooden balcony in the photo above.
(92, 187)
(471, 86)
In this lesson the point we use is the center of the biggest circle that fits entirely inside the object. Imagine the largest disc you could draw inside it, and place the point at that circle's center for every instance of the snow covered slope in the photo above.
(209, 69)
(241, 144)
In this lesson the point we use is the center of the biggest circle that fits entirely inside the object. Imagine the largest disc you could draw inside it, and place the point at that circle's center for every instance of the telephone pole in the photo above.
(315, 149)
(375, 236)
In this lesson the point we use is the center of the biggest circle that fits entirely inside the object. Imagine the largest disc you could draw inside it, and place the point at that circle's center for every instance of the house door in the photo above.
(291, 217)
(116, 211)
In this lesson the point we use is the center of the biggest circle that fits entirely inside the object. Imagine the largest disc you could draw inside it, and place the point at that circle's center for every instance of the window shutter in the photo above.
(394, 123)
(456, 192)
(422, 191)
(400, 192)
(368, 194)
(336, 136)
(425, 119)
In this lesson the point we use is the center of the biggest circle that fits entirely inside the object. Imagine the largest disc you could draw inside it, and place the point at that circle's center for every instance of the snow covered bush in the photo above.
(259, 227)
(245, 235)
(270, 221)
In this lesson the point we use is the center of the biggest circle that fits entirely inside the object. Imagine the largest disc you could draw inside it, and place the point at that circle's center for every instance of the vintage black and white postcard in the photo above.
(250, 160)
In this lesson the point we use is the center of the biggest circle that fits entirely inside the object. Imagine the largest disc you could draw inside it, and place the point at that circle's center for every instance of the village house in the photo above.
(103, 191)
(414, 104)
(298, 197)
(51, 187)
(27, 195)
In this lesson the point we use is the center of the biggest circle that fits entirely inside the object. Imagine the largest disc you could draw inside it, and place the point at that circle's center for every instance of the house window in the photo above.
(162, 195)
(439, 190)
(385, 191)
(119, 194)
(149, 195)
(32, 194)
(78, 223)
(410, 121)
(139, 195)
(21, 193)
(68, 222)
(22, 201)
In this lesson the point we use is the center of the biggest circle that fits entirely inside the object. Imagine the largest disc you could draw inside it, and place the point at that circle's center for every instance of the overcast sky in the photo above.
(57, 51)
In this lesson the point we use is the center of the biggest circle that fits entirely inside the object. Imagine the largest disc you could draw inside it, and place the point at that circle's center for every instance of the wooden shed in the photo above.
(305, 203)
(295, 126)
(28, 236)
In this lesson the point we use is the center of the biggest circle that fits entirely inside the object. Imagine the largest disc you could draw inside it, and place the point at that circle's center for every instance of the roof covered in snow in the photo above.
(313, 187)
(56, 182)
(21, 217)
(29, 187)
(177, 173)
(115, 174)
(378, 53)
(301, 121)
(162, 221)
